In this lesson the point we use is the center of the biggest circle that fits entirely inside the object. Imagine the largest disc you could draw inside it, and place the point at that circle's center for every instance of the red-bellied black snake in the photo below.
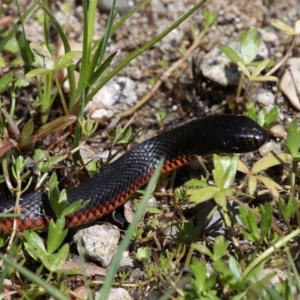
(119, 180)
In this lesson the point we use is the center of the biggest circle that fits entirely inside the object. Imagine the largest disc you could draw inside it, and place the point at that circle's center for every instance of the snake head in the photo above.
(244, 136)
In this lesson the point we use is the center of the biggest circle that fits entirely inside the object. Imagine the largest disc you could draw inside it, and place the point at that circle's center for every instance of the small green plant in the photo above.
(249, 46)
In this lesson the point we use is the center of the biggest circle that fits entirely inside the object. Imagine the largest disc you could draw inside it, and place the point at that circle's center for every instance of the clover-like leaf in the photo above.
(5, 80)
(203, 194)
(250, 43)
(57, 259)
(42, 55)
(56, 234)
(220, 247)
(66, 60)
(271, 160)
(273, 186)
(231, 54)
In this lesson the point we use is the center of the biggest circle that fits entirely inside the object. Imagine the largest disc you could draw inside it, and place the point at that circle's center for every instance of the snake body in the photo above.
(119, 180)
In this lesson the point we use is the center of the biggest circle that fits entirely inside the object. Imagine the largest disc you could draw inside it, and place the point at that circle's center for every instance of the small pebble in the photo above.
(115, 294)
(124, 6)
(278, 131)
(264, 98)
(82, 292)
(290, 82)
(268, 147)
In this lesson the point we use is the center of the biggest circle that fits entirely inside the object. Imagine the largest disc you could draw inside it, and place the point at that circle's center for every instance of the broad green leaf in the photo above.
(266, 219)
(203, 194)
(154, 210)
(271, 160)
(254, 64)
(75, 206)
(230, 170)
(125, 136)
(271, 185)
(220, 247)
(5, 81)
(143, 253)
(250, 43)
(292, 206)
(54, 196)
(235, 267)
(241, 166)
(56, 234)
(199, 270)
(42, 55)
(34, 240)
(244, 69)
(263, 286)
(252, 184)
(250, 223)
(222, 196)
(66, 60)
(59, 258)
(37, 72)
(196, 183)
(271, 117)
(202, 249)
(21, 83)
(26, 133)
(222, 268)
(288, 30)
(231, 54)
(293, 138)
(32, 251)
(260, 68)
(218, 174)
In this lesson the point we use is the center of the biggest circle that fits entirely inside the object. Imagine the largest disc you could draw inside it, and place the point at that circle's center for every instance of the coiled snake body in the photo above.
(119, 180)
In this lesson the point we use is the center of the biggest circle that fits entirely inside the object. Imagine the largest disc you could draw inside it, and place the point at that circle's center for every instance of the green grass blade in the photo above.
(14, 30)
(67, 47)
(137, 52)
(99, 53)
(132, 227)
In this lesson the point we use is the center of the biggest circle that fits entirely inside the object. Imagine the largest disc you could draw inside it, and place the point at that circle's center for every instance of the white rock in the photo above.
(290, 82)
(116, 96)
(115, 294)
(99, 242)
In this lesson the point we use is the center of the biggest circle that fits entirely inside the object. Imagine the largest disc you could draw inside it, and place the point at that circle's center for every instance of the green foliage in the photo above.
(252, 231)
(51, 259)
(223, 174)
(235, 274)
(143, 254)
(266, 119)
